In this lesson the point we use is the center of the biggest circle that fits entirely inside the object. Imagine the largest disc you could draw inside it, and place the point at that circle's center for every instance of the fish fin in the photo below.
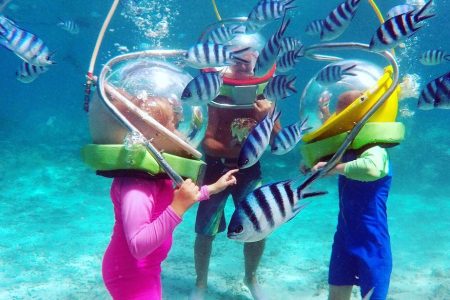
(299, 52)
(290, 85)
(238, 29)
(283, 26)
(424, 13)
(313, 194)
(298, 208)
(369, 294)
(234, 55)
(346, 70)
(289, 4)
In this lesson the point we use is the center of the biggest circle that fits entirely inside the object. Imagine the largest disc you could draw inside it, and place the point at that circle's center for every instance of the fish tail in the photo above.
(346, 71)
(312, 194)
(234, 55)
(424, 13)
(289, 4)
(447, 57)
(299, 52)
(290, 85)
(283, 26)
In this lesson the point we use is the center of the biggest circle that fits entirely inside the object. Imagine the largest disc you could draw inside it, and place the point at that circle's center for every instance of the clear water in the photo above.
(56, 215)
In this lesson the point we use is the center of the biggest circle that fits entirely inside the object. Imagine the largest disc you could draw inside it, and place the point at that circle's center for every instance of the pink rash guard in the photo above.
(142, 237)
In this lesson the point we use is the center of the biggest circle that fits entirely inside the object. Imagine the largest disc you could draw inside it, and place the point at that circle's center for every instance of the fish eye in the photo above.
(186, 94)
(238, 229)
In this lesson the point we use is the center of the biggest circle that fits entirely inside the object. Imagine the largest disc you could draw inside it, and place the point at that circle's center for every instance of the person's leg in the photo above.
(340, 292)
(252, 256)
(202, 255)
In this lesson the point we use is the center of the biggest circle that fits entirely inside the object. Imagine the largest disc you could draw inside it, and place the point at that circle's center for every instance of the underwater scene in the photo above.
(58, 214)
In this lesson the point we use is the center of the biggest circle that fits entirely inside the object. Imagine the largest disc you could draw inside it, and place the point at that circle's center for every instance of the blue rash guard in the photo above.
(361, 253)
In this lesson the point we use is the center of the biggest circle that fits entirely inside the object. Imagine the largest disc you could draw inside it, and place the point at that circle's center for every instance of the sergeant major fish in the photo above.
(436, 94)
(269, 53)
(434, 57)
(265, 12)
(207, 55)
(203, 88)
(288, 137)
(24, 44)
(280, 87)
(224, 33)
(265, 209)
(257, 141)
(70, 26)
(314, 27)
(28, 73)
(397, 29)
(288, 60)
(290, 44)
(333, 73)
(338, 20)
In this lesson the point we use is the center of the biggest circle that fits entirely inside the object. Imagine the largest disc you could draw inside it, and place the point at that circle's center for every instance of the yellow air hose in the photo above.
(90, 73)
(216, 10)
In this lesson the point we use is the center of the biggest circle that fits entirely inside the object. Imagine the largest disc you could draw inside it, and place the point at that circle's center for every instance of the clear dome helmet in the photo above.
(318, 99)
(240, 85)
(143, 91)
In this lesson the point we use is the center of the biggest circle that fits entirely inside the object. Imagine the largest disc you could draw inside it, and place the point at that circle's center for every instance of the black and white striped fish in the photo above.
(334, 73)
(268, 55)
(399, 10)
(70, 26)
(267, 208)
(397, 29)
(24, 44)
(338, 20)
(203, 88)
(207, 55)
(436, 94)
(290, 44)
(288, 60)
(28, 73)
(257, 141)
(288, 137)
(280, 87)
(224, 33)
(314, 27)
(265, 12)
(434, 57)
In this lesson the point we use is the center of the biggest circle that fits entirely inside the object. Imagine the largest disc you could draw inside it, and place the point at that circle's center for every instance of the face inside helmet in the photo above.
(146, 93)
(322, 99)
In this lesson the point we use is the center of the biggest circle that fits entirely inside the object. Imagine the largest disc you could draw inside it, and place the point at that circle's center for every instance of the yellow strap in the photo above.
(216, 10)
(379, 16)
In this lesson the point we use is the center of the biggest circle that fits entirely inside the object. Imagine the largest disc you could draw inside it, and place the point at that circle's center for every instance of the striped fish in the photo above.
(288, 137)
(334, 73)
(28, 73)
(397, 29)
(436, 94)
(314, 27)
(434, 57)
(257, 141)
(280, 87)
(268, 55)
(265, 209)
(265, 12)
(203, 88)
(24, 44)
(290, 44)
(399, 10)
(70, 26)
(338, 20)
(224, 33)
(207, 55)
(289, 59)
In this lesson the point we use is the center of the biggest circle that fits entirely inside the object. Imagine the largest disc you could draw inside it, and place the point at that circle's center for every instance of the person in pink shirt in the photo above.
(147, 209)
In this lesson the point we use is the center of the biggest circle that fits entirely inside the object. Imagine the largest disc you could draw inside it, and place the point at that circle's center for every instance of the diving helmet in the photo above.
(337, 98)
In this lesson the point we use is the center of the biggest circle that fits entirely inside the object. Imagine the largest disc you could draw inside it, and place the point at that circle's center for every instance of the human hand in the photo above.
(225, 181)
(262, 108)
(184, 197)
(338, 169)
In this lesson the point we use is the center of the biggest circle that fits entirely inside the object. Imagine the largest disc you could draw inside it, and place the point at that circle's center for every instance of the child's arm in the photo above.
(372, 164)
(225, 181)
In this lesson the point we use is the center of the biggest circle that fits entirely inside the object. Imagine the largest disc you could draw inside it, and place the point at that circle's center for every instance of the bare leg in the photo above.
(340, 292)
(202, 254)
(252, 255)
